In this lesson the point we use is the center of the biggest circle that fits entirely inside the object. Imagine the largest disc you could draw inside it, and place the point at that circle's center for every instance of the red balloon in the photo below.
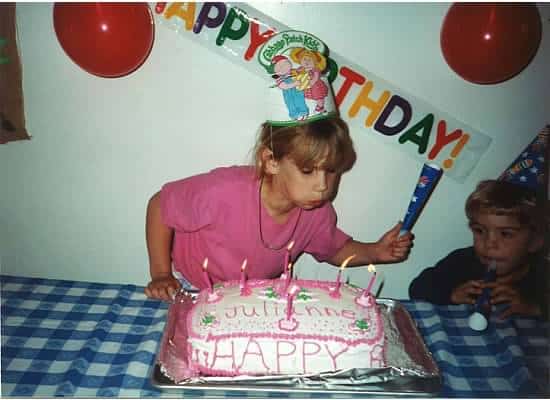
(106, 39)
(490, 43)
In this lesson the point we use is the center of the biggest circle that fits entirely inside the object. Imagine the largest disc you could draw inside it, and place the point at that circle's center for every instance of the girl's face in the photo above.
(503, 239)
(308, 62)
(306, 188)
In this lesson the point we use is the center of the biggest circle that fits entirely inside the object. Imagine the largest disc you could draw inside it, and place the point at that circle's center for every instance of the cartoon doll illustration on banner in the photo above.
(285, 79)
(296, 60)
(312, 63)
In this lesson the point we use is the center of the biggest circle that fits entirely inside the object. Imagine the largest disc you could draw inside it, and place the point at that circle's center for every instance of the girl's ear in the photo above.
(271, 165)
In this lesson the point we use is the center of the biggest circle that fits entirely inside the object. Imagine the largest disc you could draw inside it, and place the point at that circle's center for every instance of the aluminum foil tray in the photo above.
(411, 369)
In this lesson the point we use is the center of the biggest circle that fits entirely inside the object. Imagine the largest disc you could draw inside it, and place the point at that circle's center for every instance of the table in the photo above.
(82, 339)
(509, 359)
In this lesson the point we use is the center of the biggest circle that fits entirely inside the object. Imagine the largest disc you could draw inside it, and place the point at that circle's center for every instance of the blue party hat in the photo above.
(529, 168)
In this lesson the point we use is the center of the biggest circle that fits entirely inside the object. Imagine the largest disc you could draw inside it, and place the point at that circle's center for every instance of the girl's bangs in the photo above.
(313, 152)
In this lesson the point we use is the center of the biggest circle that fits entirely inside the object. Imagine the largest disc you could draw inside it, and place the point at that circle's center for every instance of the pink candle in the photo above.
(287, 256)
(338, 278)
(289, 300)
(342, 266)
(372, 269)
(205, 275)
(243, 275)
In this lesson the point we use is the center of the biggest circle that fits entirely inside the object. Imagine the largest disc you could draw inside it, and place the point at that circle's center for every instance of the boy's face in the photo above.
(503, 239)
(282, 67)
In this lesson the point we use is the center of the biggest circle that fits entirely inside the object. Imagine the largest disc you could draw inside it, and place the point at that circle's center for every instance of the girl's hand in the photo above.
(507, 294)
(391, 248)
(467, 293)
(163, 288)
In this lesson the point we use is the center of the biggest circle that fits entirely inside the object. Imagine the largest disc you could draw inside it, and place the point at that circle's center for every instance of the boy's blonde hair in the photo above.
(505, 198)
(307, 145)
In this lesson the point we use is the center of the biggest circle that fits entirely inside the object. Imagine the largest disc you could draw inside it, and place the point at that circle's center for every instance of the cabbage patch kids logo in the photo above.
(284, 41)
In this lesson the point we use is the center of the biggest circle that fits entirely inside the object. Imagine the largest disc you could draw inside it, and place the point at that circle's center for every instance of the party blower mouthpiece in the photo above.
(478, 321)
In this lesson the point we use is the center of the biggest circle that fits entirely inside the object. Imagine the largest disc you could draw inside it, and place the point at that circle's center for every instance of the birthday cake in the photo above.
(273, 327)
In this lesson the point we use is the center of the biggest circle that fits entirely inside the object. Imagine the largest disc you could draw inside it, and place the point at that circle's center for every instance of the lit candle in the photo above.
(287, 255)
(335, 291)
(342, 266)
(242, 285)
(288, 276)
(371, 268)
(205, 274)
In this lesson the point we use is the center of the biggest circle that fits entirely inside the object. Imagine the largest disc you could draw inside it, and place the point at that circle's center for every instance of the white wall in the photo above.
(72, 203)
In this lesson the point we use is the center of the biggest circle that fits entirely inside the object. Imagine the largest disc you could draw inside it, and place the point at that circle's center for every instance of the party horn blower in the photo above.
(429, 176)
(478, 321)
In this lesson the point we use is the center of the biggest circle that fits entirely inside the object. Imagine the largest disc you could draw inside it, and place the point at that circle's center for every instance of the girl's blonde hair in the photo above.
(505, 198)
(297, 54)
(326, 140)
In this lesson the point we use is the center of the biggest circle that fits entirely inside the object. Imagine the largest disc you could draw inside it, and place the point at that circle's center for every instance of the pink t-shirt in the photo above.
(216, 215)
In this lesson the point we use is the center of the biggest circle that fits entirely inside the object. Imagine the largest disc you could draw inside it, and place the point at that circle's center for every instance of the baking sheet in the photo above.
(411, 369)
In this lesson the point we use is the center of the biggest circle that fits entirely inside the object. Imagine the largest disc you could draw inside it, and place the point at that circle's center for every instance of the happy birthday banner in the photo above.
(368, 103)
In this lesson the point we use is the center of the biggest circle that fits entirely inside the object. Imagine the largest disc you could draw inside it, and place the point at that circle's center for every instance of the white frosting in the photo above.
(250, 333)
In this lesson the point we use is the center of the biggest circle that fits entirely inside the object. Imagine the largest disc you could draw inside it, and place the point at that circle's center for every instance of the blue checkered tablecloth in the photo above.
(510, 358)
(80, 339)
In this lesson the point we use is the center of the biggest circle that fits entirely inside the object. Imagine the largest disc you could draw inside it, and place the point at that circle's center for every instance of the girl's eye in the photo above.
(307, 171)
(507, 234)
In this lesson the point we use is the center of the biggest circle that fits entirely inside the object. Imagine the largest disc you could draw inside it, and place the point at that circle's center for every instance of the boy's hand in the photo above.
(391, 248)
(163, 288)
(467, 293)
(503, 293)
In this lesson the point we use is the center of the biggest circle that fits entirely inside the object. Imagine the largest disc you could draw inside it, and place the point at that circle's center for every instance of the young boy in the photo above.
(508, 226)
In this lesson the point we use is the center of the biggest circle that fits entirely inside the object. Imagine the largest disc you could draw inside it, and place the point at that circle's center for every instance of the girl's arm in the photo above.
(163, 285)
(389, 249)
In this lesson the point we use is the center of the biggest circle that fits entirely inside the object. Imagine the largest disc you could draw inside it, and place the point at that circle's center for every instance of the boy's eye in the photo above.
(477, 230)
(507, 234)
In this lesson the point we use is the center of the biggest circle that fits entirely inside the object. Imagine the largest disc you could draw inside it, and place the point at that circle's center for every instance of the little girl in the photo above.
(254, 212)
(281, 205)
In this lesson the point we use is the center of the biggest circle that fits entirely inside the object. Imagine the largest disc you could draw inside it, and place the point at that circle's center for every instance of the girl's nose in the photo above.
(321, 184)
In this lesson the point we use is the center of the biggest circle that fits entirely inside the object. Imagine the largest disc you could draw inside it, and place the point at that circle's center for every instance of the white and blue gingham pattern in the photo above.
(510, 358)
(79, 339)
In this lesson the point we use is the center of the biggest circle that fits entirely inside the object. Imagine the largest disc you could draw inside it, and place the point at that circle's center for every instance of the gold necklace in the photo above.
(287, 241)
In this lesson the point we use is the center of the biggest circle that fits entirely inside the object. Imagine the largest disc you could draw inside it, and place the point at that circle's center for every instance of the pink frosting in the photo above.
(288, 324)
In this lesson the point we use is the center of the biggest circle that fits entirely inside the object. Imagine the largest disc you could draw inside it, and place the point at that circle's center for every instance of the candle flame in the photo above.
(371, 268)
(243, 267)
(346, 261)
(205, 263)
(290, 245)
